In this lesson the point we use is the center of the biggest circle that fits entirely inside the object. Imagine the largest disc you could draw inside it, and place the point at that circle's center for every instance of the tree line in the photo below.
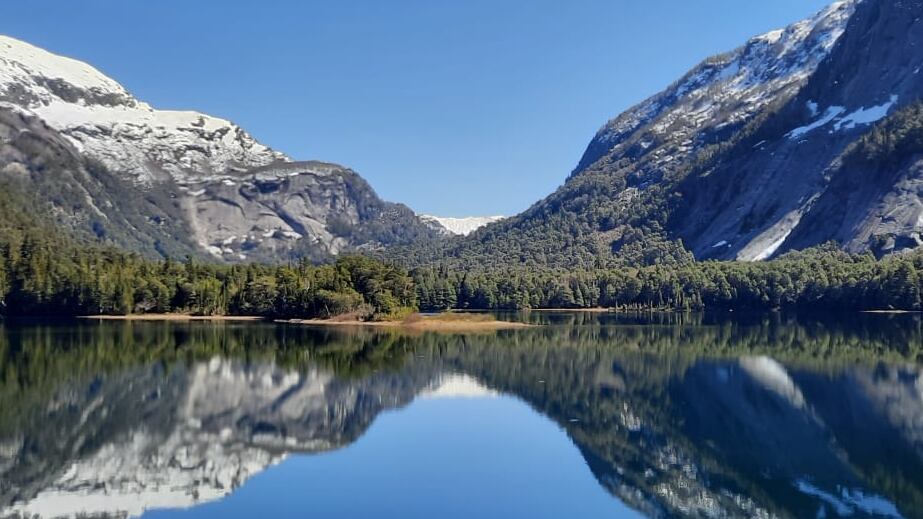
(44, 272)
(823, 278)
(48, 277)
(40, 276)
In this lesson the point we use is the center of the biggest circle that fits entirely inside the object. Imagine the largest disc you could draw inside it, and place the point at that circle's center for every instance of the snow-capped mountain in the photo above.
(721, 94)
(459, 226)
(760, 150)
(171, 183)
(814, 170)
(106, 122)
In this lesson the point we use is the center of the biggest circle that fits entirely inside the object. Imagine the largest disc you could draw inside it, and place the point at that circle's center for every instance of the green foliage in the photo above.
(892, 141)
(42, 273)
(823, 278)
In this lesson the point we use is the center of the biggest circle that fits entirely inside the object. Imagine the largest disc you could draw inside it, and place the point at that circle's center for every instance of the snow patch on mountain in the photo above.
(829, 115)
(103, 120)
(849, 501)
(459, 226)
(834, 114)
(866, 115)
(774, 377)
(722, 92)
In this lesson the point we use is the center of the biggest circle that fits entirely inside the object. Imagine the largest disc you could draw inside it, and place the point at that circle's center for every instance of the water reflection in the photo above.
(685, 416)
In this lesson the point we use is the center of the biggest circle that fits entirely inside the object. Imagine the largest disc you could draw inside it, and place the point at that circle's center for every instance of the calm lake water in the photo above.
(591, 415)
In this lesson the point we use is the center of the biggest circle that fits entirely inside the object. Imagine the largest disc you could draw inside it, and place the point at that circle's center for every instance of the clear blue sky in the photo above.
(453, 107)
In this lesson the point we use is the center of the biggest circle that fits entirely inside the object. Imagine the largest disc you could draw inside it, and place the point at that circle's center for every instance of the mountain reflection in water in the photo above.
(672, 415)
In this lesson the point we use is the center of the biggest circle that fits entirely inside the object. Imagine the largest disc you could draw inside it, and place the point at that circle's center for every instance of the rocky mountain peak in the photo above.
(104, 121)
(172, 183)
(799, 137)
(719, 95)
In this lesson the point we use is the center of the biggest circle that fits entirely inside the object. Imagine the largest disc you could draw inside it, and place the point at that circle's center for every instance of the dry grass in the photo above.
(444, 322)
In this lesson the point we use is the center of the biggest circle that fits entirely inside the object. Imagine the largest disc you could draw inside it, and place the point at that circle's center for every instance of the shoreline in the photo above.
(172, 317)
(423, 325)
(419, 323)
(422, 322)
(594, 310)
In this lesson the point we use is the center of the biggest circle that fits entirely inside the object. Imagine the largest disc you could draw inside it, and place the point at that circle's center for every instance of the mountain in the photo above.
(112, 168)
(801, 136)
(459, 226)
(839, 161)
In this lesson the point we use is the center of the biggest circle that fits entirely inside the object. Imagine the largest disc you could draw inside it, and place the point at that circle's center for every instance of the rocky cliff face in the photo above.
(295, 209)
(191, 183)
(808, 173)
(84, 198)
(801, 136)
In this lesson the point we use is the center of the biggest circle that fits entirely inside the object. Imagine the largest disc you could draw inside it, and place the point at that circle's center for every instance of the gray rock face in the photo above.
(190, 183)
(794, 181)
(85, 199)
(756, 153)
(295, 209)
(801, 136)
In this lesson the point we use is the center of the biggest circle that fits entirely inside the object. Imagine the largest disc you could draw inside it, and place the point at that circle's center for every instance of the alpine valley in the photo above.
(717, 314)
(801, 136)
(168, 183)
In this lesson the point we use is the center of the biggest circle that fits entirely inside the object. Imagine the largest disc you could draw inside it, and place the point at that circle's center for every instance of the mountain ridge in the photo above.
(724, 162)
(173, 183)
(750, 154)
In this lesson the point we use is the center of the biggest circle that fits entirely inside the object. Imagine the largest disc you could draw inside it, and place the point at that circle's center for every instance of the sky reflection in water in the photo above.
(590, 416)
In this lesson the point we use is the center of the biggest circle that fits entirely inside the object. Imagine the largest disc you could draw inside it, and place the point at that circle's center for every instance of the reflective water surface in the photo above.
(588, 415)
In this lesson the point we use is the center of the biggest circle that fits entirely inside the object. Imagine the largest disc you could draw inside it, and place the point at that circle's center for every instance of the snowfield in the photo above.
(460, 226)
(103, 120)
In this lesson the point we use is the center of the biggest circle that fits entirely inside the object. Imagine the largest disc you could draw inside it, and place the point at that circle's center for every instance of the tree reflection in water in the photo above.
(676, 415)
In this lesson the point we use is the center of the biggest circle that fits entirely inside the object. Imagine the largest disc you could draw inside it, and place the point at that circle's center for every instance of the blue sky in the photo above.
(455, 108)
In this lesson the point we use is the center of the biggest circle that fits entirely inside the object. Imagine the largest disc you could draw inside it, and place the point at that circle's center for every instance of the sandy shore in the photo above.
(435, 323)
(452, 322)
(171, 317)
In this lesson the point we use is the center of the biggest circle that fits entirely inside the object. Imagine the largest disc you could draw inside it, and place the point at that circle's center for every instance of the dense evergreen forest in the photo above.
(45, 273)
(823, 278)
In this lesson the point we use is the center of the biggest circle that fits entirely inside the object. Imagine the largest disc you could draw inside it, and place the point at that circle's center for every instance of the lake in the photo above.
(587, 415)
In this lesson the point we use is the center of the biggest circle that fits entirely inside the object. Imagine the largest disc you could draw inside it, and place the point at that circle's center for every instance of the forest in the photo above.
(47, 273)
(823, 278)
(40, 276)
